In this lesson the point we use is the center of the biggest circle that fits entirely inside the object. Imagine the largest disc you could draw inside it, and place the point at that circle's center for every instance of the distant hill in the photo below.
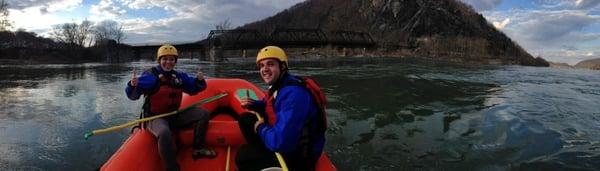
(560, 65)
(439, 29)
(589, 64)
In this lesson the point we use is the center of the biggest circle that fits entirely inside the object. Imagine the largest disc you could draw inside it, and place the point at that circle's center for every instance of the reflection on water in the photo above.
(384, 114)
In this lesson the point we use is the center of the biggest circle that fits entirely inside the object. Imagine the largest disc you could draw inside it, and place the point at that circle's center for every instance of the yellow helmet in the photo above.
(166, 49)
(272, 52)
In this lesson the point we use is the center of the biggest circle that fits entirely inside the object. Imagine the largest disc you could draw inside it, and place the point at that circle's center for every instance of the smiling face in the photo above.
(269, 70)
(167, 63)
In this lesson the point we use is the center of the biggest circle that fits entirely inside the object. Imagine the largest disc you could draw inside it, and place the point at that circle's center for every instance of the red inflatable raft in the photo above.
(140, 151)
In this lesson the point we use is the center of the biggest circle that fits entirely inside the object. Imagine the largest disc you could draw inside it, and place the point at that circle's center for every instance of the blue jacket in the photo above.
(293, 107)
(148, 82)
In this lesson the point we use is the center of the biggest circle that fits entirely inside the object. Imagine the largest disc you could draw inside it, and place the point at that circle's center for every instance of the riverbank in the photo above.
(336, 52)
(303, 56)
(43, 61)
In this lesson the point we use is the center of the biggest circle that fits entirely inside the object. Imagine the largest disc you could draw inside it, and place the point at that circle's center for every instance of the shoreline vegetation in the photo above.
(70, 43)
(23, 47)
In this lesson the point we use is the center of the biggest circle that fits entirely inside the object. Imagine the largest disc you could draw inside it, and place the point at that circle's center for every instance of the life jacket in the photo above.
(166, 96)
(318, 96)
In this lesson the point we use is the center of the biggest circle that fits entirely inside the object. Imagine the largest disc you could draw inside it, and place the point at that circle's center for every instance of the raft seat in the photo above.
(223, 130)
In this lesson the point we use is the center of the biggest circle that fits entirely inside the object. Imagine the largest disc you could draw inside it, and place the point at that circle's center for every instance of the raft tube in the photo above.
(140, 151)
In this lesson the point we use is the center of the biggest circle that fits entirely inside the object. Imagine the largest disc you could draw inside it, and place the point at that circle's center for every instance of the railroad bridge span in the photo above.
(221, 44)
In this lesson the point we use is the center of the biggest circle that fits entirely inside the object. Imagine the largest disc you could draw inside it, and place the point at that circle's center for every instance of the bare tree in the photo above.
(109, 35)
(224, 25)
(84, 33)
(5, 24)
(65, 33)
(109, 30)
(119, 34)
(73, 33)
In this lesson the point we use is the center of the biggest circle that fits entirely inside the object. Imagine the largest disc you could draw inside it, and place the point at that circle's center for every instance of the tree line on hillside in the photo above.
(69, 43)
(442, 29)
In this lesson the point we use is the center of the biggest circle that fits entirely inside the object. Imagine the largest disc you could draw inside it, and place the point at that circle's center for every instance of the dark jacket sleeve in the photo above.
(191, 85)
(293, 107)
(146, 83)
(258, 106)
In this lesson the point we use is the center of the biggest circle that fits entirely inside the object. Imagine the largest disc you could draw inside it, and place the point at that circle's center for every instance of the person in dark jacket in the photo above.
(163, 88)
(290, 120)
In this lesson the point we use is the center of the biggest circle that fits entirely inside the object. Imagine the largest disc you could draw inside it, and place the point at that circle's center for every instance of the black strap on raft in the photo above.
(140, 125)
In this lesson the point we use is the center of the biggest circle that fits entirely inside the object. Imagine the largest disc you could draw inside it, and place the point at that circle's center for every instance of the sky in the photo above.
(558, 30)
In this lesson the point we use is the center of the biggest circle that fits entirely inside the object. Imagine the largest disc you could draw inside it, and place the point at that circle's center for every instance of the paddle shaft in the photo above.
(279, 157)
(228, 158)
(131, 123)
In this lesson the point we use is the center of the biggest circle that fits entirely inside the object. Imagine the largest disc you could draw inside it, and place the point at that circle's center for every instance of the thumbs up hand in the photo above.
(134, 79)
(199, 74)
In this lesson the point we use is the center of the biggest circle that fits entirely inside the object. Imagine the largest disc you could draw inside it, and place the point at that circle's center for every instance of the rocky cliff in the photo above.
(439, 29)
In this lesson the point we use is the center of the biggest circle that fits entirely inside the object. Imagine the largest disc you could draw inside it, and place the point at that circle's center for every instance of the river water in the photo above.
(384, 113)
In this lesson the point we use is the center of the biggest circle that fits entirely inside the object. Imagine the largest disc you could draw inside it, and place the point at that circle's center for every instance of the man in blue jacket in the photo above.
(163, 88)
(291, 120)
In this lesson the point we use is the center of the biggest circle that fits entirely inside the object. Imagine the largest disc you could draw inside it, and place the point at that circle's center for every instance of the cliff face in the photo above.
(446, 29)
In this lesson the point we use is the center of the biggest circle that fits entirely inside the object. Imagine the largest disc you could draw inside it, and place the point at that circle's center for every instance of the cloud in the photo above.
(192, 20)
(45, 5)
(590, 54)
(557, 35)
(140, 4)
(586, 4)
(39, 16)
(567, 4)
(570, 57)
(34, 19)
(501, 25)
(569, 47)
(483, 5)
(553, 25)
(105, 9)
(146, 20)
(570, 53)
(543, 29)
(552, 3)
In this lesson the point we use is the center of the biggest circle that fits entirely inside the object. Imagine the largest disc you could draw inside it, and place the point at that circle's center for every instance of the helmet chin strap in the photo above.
(284, 70)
